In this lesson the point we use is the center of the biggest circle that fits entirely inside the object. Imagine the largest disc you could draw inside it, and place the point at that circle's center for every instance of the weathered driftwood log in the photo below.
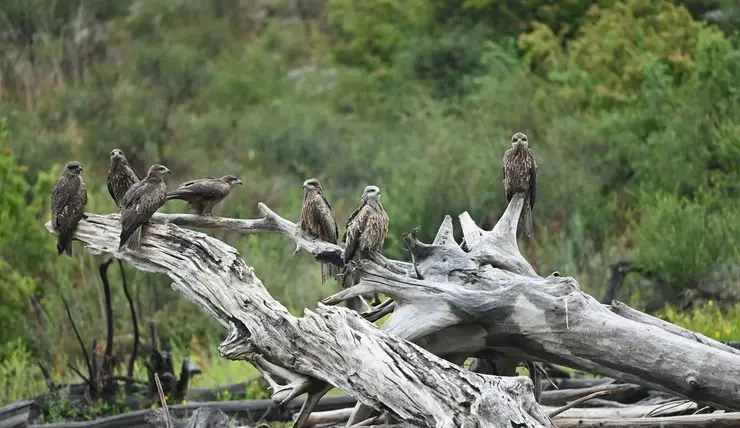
(624, 392)
(203, 417)
(713, 420)
(490, 299)
(334, 344)
(481, 299)
(251, 411)
(634, 411)
(16, 414)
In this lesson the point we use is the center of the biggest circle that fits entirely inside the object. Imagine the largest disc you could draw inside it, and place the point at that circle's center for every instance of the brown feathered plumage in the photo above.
(141, 201)
(121, 176)
(520, 176)
(68, 200)
(366, 230)
(318, 221)
(202, 195)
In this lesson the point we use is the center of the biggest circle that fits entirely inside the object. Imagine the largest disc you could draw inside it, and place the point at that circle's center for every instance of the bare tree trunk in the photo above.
(333, 345)
(482, 299)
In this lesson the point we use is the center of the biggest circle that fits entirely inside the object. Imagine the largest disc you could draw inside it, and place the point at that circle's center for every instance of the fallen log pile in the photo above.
(478, 299)
(657, 410)
(247, 411)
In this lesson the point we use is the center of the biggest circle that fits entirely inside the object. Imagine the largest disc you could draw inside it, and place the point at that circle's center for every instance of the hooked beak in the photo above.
(238, 182)
(166, 170)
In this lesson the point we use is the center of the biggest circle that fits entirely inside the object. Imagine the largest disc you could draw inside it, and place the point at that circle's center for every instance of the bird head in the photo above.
(519, 139)
(73, 167)
(117, 155)
(158, 171)
(371, 193)
(231, 180)
(311, 184)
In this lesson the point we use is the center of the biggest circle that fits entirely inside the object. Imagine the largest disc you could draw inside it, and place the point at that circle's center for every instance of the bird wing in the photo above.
(69, 198)
(136, 174)
(60, 193)
(328, 222)
(120, 178)
(350, 219)
(534, 173)
(353, 231)
(83, 194)
(110, 189)
(507, 165)
(140, 203)
(204, 188)
(134, 193)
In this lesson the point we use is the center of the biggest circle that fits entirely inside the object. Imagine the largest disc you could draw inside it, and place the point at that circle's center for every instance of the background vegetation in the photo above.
(632, 108)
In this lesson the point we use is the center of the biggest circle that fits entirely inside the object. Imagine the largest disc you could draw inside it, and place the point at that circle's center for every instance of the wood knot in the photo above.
(693, 382)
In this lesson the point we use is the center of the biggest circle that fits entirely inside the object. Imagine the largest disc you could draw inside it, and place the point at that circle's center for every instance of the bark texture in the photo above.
(480, 298)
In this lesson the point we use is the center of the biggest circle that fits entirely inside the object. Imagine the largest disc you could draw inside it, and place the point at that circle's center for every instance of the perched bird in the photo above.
(318, 221)
(141, 201)
(68, 200)
(520, 176)
(202, 195)
(366, 230)
(121, 176)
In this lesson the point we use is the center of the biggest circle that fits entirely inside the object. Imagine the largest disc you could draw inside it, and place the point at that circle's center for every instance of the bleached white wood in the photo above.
(332, 344)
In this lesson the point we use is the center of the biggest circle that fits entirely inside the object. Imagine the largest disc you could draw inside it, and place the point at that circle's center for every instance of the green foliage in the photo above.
(608, 59)
(514, 16)
(631, 107)
(18, 376)
(445, 59)
(708, 319)
(374, 30)
(700, 234)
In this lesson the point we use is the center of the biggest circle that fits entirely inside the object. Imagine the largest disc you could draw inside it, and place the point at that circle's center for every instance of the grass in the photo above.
(709, 320)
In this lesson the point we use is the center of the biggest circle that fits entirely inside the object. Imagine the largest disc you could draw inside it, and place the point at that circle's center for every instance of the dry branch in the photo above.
(481, 299)
(486, 299)
(333, 344)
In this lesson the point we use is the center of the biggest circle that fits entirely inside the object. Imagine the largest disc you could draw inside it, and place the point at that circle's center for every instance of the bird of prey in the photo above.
(121, 176)
(141, 201)
(520, 176)
(318, 221)
(68, 200)
(202, 195)
(366, 230)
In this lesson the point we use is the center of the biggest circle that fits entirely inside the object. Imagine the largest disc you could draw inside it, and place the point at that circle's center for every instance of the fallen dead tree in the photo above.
(386, 371)
(341, 416)
(714, 420)
(251, 411)
(480, 299)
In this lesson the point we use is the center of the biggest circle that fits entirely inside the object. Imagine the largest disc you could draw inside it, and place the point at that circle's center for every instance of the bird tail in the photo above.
(526, 220)
(131, 238)
(64, 245)
(329, 271)
(134, 242)
(179, 194)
